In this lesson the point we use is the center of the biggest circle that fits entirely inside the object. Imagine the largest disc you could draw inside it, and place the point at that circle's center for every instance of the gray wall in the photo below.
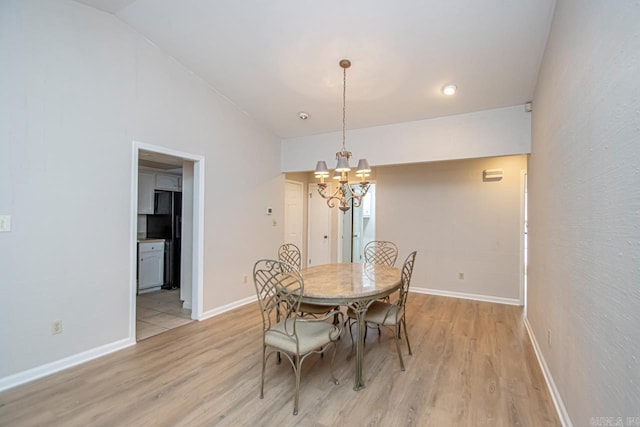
(457, 223)
(77, 86)
(584, 198)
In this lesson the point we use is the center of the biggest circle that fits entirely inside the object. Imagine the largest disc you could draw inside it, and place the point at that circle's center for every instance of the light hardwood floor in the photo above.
(472, 365)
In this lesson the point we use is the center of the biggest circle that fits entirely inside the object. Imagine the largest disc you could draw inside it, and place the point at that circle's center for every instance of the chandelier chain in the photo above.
(344, 107)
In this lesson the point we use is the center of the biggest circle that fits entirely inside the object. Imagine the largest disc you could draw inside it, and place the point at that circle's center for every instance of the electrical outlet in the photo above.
(56, 327)
(461, 276)
(246, 278)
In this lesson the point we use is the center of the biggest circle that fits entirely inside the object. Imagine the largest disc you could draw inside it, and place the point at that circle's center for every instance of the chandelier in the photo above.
(344, 194)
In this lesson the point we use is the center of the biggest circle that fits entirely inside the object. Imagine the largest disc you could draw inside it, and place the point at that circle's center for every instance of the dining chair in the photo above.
(279, 287)
(391, 314)
(381, 252)
(290, 254)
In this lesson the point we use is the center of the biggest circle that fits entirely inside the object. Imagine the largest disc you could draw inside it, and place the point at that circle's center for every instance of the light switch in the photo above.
(5, 223)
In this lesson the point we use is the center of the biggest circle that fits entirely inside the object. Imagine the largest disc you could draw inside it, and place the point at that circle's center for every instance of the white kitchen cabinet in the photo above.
(168, 182)
(146, 189)
(150, 265)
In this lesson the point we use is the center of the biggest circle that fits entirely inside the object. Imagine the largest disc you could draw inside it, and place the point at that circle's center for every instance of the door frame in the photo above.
(523, 239)
(197, 260)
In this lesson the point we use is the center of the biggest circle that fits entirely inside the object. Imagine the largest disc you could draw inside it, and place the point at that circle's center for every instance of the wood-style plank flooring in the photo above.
(472, 365)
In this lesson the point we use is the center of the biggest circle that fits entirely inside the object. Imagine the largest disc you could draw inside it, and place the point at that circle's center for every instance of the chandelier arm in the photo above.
(352, 193)
(322, 190)
(344, 193)
(357, 197)
(364, 187)
(336, 196)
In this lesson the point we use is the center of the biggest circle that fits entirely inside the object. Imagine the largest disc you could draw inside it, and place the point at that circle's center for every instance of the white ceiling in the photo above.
(275, 58)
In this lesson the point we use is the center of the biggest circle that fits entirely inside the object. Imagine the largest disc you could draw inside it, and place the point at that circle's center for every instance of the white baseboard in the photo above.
(484, 298)
(228, 307)
(59, 365)
(551, 385)
(76, 359)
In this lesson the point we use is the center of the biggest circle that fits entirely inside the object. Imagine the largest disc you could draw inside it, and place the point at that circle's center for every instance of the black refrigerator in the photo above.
(166, 223)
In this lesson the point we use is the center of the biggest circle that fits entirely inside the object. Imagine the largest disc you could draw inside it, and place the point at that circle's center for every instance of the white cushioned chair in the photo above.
(280, 287)
(391, 314)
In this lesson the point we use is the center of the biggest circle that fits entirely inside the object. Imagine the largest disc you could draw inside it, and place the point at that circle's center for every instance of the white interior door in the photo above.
(319, 242)
(293, 211)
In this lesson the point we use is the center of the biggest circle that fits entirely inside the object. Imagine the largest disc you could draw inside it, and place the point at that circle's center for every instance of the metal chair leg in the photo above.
(297, 398)
(404, 322)
(333, 376)
(396, 333)
(264, 365)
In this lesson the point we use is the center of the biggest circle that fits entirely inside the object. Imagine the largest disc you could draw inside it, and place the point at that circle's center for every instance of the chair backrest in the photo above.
(407, 271)
(290, 254)
(381, 252)
(279, 287)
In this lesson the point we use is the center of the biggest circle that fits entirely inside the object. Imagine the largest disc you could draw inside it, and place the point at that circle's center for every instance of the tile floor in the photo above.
(159, 311)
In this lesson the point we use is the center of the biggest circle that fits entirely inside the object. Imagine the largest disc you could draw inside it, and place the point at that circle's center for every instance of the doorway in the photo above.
(319, 225)
(357, 227)
(171, 306)
(293, 216)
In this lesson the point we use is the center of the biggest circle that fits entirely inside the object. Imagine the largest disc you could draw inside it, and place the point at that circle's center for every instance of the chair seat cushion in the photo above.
(312, 335)
(377, 312)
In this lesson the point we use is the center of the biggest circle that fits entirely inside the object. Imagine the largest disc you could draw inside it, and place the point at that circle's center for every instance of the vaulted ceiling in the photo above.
(275, 58)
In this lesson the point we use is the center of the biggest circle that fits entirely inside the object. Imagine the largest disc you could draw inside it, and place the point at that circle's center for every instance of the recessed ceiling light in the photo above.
(449, 90)
(303, 115)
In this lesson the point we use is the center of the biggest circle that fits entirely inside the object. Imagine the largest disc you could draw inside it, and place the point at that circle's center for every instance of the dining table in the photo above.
(354, 285)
